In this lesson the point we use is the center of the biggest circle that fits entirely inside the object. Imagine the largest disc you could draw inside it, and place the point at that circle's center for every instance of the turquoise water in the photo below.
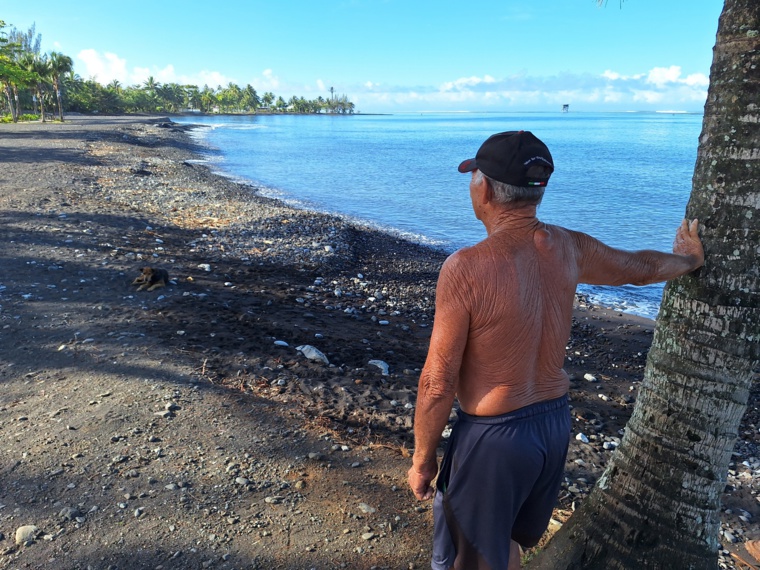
(622, 177)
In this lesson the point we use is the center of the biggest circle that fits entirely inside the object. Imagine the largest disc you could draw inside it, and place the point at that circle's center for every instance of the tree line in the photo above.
(46, 83)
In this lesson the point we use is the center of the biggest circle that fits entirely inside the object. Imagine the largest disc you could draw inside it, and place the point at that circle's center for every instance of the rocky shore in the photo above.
(257, 411)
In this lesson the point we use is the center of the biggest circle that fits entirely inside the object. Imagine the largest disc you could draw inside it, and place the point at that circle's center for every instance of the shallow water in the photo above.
(622, 177)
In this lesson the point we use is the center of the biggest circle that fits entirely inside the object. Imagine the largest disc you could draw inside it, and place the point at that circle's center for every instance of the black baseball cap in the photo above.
(508, 157)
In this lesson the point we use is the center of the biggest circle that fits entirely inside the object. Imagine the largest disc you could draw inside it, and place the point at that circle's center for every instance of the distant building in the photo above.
(565, 108)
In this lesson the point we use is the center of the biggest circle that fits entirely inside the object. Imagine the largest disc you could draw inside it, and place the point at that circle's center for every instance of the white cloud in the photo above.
(103, 68)
(205, 77)
(321, 85)
(268, 81)
(107, 67)
(648, 97)
(660, 76)
(697, 79)
(465, 82)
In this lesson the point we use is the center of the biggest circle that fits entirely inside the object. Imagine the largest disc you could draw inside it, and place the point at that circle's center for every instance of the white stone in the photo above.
(582, 438)
(26, 533)
(381, 365)
(312, 353)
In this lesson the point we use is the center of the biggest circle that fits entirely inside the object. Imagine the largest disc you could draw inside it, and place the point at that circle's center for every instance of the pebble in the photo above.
(69, 513)
(312, 353)
(582, 438)
(26, 534)
(590, 377)
(383, 366)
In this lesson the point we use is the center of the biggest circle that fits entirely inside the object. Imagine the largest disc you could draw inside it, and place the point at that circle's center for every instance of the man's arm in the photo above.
(438, 381)
(603, 265)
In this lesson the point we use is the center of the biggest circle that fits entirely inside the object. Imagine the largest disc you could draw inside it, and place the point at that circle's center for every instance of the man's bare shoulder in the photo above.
(568, 238)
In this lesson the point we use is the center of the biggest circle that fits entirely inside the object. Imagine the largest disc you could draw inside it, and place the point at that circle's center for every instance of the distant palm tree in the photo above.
(59, 64)
(151, 84)
(208, 99)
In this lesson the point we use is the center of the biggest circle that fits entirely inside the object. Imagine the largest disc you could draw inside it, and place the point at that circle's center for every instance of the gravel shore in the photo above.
(257, 411)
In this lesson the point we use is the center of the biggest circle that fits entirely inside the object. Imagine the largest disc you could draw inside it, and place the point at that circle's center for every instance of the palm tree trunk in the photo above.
(57, 88)
(9, 96)
(657, 504)
(14, 88)
(42, 105)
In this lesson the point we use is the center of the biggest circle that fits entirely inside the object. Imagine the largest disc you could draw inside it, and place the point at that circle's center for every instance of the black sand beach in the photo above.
(186, 427)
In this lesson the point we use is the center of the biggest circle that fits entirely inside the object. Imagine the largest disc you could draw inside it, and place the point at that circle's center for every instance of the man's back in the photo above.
(518, 286)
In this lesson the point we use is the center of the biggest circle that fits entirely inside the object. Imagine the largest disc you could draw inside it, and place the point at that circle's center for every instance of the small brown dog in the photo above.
(151, 278)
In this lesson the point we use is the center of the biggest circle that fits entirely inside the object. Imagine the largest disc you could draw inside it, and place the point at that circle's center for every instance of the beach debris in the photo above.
(383, 366)
(312, 353)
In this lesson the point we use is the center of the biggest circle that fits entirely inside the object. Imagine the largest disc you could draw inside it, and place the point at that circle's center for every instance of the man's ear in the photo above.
(487, 195)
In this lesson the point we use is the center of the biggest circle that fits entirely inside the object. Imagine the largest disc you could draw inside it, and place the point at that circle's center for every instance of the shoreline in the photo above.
(227, 161)
(97, 377)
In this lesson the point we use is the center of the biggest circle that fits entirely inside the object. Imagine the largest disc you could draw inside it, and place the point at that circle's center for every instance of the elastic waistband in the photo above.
(536, 409)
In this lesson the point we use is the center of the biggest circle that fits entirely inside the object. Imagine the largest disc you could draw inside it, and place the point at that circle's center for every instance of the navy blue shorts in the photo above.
(499, 479)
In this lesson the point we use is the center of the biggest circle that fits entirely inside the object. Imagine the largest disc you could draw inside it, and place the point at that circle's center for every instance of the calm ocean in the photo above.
(624, 178)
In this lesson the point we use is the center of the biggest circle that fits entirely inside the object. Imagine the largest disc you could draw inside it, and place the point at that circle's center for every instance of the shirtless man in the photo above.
(503, 317)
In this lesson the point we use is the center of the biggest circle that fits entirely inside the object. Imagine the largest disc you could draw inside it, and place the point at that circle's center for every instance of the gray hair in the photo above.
(507, 194)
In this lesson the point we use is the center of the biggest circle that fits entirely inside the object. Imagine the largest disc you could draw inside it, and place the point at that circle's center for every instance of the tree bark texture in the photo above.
(657, 504)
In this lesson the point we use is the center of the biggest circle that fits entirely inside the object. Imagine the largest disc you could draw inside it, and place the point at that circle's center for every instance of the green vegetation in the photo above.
(43, 84)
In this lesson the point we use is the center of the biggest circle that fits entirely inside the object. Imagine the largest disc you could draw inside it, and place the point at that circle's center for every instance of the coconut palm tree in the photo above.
(657, 504)
(250, 99)
(11, 73)
(39, 69)
(59, 65)
(151, 84)
(209, 99)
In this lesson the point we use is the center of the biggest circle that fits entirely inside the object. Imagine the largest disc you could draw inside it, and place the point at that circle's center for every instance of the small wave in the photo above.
(642, 302)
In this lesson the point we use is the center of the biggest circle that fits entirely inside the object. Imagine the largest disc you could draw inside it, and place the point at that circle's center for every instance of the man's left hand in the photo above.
(420, 479)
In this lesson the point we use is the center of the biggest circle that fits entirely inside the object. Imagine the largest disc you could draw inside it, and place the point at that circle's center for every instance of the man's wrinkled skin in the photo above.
(504, 311)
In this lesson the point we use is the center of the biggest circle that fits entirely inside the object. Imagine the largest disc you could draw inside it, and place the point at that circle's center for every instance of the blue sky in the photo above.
(399, 55)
